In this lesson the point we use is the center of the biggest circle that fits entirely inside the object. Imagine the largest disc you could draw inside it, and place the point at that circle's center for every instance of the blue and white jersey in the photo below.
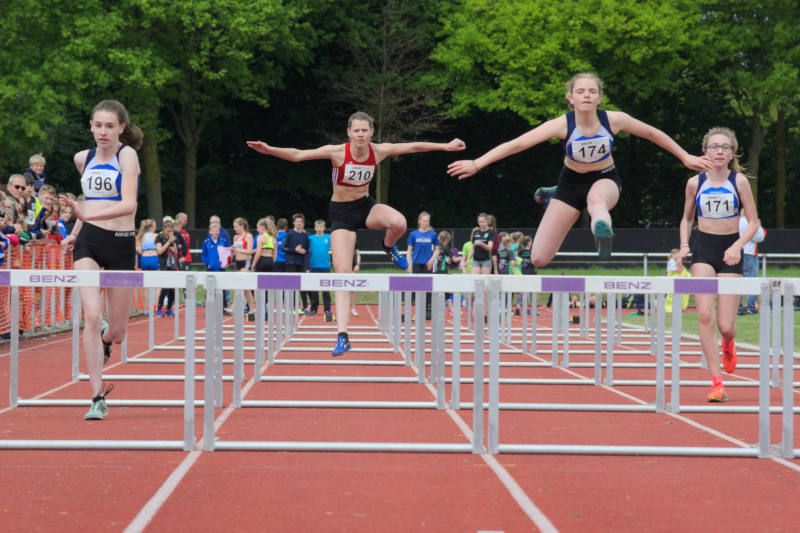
(582, 149)
(102, 181)
(717, 202)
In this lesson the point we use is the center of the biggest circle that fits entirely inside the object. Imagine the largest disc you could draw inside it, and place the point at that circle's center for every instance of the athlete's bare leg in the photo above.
(558, 218)
(705, 319)
(382, 216)
(343, 244)
(603, 196)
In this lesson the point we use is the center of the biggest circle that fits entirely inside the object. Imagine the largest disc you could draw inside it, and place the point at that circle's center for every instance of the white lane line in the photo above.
(519, 495)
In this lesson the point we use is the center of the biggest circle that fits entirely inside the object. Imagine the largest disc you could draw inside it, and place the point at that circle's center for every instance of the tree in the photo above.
(385, 62)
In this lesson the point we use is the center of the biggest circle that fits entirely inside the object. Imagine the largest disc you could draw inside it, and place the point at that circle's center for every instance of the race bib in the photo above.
(100, 183)
(590, 150)
(717, 205)
(355, 174)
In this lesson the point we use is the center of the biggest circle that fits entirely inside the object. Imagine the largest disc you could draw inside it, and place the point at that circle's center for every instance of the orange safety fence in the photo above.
(42, 306)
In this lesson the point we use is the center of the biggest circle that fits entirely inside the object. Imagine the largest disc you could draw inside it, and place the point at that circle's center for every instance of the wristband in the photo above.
(684, 244)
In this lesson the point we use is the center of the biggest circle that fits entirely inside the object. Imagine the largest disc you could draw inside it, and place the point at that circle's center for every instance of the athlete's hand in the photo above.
(259, 146)
(682, 253)
(463, 169)
(456, 145)
(77, 207)
(733, 254)
(68, 243)
(698, 164)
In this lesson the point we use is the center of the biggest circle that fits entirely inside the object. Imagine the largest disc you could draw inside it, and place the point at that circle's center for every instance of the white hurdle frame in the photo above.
(776, 334)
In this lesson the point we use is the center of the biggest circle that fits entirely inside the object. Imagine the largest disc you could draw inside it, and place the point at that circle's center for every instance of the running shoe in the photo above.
(99, 409)
(311, 312)
(729, 357)
(398, 259)
(603, 236)
(342, 346)
(328, 316)
(169, 313)
(353, 311)
(718, 394)
(543, 195)
(299, 311)
(160, 312)
(106, 345)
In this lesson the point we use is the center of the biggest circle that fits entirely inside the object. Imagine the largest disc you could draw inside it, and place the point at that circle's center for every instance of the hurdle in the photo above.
(397, 296)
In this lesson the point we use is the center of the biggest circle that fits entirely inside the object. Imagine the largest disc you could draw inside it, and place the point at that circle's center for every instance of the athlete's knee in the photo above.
(540, 260)
(396, 222)
(727, 331)
(116, 333)
(91, 318)
(705, 316)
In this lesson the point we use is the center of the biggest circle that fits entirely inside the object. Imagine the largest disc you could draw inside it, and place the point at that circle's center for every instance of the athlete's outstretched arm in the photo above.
(384, 150)
(295, 155)
(625, 122)
(556, 127)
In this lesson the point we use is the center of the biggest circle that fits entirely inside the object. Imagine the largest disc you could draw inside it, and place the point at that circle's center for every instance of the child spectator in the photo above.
(466, 253)
(280, 256)
(750, 264)
(423, 246)
(209, 253)
(320, 261)
(35, 170)
(675, 268)
(505, 256)
(447, 258)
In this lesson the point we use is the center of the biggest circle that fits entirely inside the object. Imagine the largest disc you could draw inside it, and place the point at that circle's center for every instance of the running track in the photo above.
(290, 491)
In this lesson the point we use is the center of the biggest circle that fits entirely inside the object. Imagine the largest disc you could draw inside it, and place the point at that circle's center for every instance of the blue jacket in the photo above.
(210, 255)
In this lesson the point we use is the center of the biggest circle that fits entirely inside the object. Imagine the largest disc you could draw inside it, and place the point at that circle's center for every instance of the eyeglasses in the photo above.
(717, 147)
(19, 187)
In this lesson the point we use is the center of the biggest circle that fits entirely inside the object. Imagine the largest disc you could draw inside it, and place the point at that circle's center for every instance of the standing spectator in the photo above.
(466, 253)
(224, 236)
(243, 254)
(505, 256)
(296, 246)
(166, 245)
(750, 264)
(209, 252)
(447, 258)
(320, 261)
(39, 212)
(16, 192)
(264, 259)
(147, 250)
(35, 170)
(185, 260)
(493, 226)
(483, 240)
(423, 246)
(675, 268)
(280, 255)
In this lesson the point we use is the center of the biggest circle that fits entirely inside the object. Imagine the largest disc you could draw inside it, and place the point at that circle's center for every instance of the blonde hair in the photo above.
(516, 236)
(243, 222)
(213, 225)
(47, 188)
(36, 158)
(360, 115)
(506, 240)
(143, 225)
(731, 135)
(268, 223)
(584, 75)
(445, 236)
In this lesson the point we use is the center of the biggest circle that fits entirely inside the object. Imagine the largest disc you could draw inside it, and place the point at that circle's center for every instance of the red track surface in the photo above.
(292, 491)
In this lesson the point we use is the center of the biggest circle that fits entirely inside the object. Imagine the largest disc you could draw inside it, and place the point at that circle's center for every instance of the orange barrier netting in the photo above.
(42, 306)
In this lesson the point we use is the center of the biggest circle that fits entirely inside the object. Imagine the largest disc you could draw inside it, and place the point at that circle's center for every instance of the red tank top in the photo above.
(354, 173)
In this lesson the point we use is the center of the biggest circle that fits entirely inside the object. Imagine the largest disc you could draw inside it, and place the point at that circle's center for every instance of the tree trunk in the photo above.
(382, 181)
(780, 186)
(754, 152)
(190, 179)
(152, 178)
